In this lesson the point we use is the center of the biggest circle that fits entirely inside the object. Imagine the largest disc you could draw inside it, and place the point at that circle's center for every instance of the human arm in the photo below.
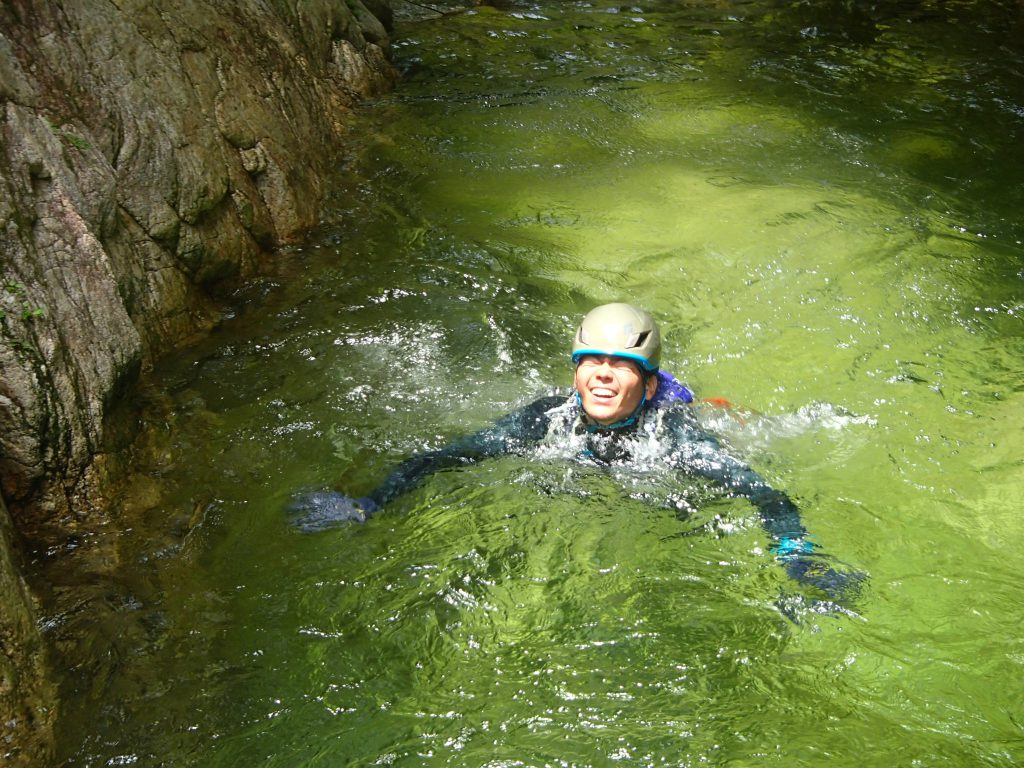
(698, 452)
(511, 433)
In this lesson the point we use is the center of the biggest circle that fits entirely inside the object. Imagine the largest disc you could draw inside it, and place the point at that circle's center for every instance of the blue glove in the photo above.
(814, 571)
(318, 510)
(805, 566)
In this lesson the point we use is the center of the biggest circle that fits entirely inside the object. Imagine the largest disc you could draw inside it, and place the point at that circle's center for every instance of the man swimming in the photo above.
(622, 407)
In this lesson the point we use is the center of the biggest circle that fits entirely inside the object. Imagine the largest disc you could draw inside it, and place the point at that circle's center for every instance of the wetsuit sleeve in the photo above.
(700, 453)
(514, 432)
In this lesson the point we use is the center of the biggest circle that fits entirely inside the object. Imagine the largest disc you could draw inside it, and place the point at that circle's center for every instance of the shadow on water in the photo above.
(820, 203)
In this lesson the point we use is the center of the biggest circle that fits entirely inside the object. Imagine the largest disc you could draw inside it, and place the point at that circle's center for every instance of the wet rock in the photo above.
(27, 692)
(151, 154)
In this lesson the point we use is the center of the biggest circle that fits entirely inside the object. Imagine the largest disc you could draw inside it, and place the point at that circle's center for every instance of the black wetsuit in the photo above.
(667, 429)
(685, 447)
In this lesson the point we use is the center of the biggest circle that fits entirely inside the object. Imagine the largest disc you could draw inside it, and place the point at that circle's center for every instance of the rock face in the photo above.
(150, 153)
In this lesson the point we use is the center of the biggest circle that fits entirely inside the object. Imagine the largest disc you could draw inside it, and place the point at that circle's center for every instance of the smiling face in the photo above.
(611, 388)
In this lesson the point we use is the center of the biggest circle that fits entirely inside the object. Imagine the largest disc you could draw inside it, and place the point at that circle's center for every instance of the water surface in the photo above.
(821, 205)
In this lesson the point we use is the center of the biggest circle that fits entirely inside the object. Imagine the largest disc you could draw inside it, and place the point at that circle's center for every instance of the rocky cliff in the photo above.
(150, 155)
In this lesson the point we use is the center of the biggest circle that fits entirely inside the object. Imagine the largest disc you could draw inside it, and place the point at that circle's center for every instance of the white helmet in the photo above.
(619, 330)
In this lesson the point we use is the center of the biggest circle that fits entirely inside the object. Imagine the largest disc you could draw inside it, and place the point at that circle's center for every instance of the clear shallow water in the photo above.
(821, 206)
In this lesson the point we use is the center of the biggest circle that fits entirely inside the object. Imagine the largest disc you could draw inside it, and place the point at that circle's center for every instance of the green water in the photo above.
(820, 202)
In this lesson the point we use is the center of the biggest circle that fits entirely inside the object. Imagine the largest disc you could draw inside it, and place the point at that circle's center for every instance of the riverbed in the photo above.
(820, 203)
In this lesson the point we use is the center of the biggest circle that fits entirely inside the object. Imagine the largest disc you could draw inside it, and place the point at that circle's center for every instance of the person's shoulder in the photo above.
(678, 416)
(530, 422)
(673, 409)
(553, 400)
(539, 407)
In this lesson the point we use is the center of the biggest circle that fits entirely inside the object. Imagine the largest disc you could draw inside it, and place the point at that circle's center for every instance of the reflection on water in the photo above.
(819, 202)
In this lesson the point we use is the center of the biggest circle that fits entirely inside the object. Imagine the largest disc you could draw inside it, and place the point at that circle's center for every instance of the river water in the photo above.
(819, 201)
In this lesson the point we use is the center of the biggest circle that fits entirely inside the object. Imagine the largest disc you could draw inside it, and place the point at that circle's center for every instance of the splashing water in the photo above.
(820, 204)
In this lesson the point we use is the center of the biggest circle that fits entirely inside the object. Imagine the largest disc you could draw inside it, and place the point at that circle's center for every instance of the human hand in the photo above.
(815, 571)
(318, 510)
(840, 588)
